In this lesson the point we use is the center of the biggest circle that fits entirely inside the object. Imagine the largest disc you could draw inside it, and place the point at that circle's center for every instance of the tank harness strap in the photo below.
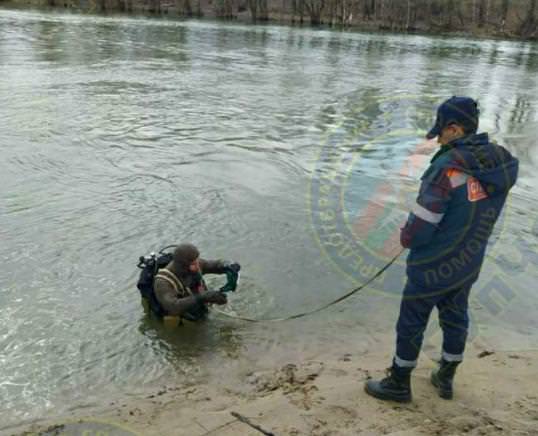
(172, 321)
(171, 278)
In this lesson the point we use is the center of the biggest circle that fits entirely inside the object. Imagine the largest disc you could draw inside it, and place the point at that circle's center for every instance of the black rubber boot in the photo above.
(395, 387)
(442, 378)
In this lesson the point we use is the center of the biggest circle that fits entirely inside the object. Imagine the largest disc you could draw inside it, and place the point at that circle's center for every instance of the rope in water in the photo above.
(319, 309)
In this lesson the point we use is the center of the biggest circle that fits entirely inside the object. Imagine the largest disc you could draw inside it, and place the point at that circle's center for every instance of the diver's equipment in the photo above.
(150, 265)
(232, 277)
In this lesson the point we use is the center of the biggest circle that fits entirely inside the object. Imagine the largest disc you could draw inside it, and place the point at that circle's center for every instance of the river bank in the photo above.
(515, 19)
(495, 395)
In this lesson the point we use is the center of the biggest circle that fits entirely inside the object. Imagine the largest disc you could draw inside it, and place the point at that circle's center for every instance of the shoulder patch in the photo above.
(475, 191)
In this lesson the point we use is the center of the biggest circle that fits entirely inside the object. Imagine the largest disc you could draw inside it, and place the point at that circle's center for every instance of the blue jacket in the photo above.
(460, 199)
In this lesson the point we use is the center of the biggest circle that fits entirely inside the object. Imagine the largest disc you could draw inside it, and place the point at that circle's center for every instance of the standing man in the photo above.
(461, 197)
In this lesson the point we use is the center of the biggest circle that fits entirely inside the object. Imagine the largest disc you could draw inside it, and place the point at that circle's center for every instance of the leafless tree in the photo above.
(298, 8)
(529, 25)
(258, 9)
(315, 9)
(504, 13)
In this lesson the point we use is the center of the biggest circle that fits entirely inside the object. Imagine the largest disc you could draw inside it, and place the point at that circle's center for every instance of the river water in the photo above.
(119, 135)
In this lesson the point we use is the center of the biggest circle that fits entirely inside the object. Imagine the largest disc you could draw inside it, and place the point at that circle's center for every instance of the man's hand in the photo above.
(214, 297)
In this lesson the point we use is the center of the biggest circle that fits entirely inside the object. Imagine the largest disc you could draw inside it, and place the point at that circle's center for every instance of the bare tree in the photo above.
(528, 27)
(504, 13)
(184, 7)
(472, 6)
(298, 7)
(315, 9)
(368, 9)
(253, 8)
(411, 15)
(154, 6)
(482, 13)
(450, 12)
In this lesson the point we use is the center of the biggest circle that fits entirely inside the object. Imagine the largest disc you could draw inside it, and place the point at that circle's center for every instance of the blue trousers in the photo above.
(415, 309)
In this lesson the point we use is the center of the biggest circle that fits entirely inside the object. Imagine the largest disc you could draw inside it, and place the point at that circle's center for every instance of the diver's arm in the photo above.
(168, 298)
(213, 266)
(218, 266)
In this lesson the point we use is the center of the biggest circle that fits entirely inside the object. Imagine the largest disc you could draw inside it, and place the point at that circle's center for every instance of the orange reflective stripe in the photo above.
(457, 177)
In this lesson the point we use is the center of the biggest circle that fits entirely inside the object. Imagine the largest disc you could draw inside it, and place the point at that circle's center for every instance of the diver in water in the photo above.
(177, 290)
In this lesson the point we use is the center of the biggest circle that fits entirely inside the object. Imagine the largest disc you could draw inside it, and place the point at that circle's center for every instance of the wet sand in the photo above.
(496, 393)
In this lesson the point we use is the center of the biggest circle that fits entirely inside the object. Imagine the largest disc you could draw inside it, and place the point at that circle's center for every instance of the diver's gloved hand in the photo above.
(214, 297)
(232, 266)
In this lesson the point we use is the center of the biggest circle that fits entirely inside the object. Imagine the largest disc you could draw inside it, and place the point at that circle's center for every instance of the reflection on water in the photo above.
(121, 135)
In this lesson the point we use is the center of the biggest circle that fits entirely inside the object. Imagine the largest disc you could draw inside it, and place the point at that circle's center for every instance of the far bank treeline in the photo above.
(512, 18)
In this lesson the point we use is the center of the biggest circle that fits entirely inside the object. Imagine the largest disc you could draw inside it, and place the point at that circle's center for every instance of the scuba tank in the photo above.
(149, 265)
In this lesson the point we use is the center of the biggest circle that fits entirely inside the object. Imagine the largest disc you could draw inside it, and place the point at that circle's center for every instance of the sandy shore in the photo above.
(496, 394)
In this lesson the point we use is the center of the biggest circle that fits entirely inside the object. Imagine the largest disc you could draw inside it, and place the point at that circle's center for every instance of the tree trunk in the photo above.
(315, 8)
(253, 8)
(504, 12)
(263, 11)
(473, 14)
(450, 13)
(481, 13)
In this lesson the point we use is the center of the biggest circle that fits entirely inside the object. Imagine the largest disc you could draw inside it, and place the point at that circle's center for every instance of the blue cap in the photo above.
(456, 110)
